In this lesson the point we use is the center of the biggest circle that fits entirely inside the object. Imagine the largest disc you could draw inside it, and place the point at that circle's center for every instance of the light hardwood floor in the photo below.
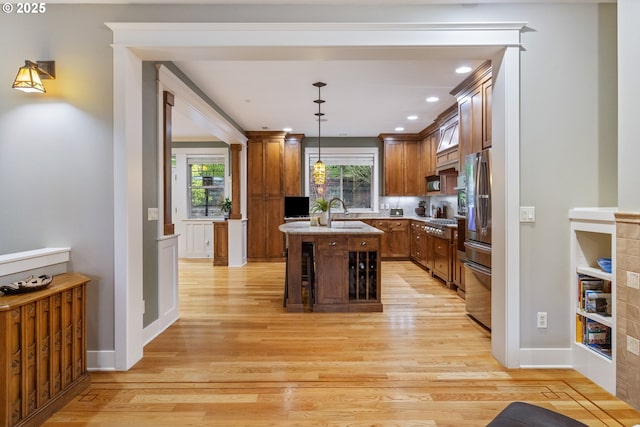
(235, 358)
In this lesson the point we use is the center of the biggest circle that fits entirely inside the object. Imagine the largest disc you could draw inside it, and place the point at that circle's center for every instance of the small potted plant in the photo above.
(321, 205)
(225, 207)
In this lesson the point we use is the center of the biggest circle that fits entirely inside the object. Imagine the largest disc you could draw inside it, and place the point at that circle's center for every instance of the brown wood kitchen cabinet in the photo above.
(396, 240)
(442, 260)
(331, 273)
(447, 154)
(458, 267)
(474, 111)
(402, 165)
(292, 168)
(428, 154)
(364, 273)
(418, 244)
(42, 350)
(265, 188)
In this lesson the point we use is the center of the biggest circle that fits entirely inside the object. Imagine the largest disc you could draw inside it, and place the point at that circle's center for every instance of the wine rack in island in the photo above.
(593, 248)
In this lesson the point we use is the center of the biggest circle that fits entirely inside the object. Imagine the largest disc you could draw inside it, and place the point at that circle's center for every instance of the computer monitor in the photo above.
(296, 206)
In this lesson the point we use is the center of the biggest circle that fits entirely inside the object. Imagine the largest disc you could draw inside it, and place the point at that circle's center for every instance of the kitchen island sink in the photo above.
(347, 266)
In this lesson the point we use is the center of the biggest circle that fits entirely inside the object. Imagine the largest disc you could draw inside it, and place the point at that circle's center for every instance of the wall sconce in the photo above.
(29, 78)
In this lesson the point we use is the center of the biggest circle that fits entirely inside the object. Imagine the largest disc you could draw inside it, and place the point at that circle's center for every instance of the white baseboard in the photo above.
(557, 358)
(159, 326)
(104, 360)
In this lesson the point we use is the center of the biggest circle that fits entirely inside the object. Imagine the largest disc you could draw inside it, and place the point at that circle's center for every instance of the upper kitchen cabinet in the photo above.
(447, 154)
(474, 111)
(265, 156)
(428, 153)
(403, 169)
(292, 171)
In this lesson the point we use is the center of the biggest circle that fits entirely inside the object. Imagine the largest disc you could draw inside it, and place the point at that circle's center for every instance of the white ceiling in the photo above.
(369, 90)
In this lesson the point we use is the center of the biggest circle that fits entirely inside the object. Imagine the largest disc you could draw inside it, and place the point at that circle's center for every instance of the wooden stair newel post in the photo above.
(168, 103)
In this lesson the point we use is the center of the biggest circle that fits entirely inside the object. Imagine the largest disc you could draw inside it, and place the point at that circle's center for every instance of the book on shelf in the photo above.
(588, 283)
(594, 335)
(597, 301)
(579, 329)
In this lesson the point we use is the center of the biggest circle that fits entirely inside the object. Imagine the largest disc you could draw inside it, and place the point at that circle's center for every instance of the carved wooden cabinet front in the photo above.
(42, 350)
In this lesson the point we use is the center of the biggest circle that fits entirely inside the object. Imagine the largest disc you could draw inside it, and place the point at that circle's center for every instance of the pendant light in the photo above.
(319, 168)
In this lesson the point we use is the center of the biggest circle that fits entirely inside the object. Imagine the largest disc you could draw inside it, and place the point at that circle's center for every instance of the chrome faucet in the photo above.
(344, 206)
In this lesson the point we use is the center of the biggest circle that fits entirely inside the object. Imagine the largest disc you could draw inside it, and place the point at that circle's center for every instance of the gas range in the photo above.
(439, 227)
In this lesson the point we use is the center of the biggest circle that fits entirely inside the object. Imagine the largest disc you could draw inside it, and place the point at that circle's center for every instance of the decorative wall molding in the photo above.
(31, 260)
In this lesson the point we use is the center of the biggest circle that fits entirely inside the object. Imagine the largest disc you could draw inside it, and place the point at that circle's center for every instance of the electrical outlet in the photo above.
(542, 319)
(633, 280)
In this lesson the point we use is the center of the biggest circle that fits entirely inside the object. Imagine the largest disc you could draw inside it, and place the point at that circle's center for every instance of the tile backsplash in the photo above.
(410, 203)
(628, 308)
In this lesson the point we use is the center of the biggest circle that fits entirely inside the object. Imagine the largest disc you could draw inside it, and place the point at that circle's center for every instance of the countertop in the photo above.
(337, 227)
(367, 216)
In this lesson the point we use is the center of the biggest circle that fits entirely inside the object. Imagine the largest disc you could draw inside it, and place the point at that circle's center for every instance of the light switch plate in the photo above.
(152, 214)
(527, 214)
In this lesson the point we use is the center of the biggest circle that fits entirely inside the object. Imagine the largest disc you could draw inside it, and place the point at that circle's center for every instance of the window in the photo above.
(205, 185)
(352, 175)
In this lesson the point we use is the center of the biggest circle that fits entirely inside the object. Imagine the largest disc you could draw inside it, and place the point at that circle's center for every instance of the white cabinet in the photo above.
(593, 236)
(196, 238)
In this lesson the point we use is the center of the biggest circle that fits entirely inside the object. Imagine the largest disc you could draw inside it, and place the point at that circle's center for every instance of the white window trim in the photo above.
(180, 207)
(346, 151)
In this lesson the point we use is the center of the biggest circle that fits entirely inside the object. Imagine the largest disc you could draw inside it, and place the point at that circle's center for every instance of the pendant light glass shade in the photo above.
(28, 79)
(319, 172)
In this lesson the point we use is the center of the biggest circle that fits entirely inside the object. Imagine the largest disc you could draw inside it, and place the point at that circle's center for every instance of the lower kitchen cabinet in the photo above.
(331, 273)
(442, 260)
(364, 274)
(398, 243)
(421, 245)
(458, 264)
(396, 240)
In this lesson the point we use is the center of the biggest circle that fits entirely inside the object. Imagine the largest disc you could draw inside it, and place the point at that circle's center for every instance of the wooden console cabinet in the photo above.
(42, 350)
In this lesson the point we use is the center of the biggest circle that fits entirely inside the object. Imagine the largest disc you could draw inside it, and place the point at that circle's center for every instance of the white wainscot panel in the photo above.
(197, 240)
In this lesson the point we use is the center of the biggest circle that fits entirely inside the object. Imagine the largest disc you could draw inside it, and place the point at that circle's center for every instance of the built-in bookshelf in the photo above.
(593, 290)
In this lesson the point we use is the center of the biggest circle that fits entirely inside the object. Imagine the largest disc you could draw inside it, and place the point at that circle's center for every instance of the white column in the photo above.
(127, 158)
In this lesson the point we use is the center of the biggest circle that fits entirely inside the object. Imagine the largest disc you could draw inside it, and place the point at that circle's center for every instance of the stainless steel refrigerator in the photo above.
(478, 237)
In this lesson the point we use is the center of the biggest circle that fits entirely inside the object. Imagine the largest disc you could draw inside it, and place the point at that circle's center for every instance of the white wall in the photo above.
(56, 161)
(629, 105)
(565, 161)
(63, 165)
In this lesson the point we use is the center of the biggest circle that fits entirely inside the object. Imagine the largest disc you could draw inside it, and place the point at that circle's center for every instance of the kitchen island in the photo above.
(347, 266)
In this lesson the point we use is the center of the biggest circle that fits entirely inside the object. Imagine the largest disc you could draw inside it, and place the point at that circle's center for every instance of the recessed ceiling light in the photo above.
(463, 70)
(399, 129)
(433, 99)
(412, 118)
(287, 129)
